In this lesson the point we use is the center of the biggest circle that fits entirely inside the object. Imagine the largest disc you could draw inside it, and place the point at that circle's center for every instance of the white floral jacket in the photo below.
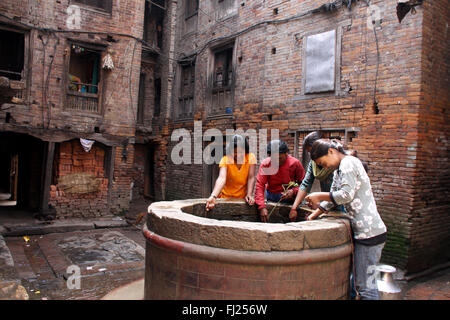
(351, 188)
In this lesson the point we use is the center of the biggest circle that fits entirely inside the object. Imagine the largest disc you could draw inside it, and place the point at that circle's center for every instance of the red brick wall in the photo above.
(121, 184)
(392, 142)
(120, 85)
(71, 158)
(140, 154)
(44, 106)
(430, 217)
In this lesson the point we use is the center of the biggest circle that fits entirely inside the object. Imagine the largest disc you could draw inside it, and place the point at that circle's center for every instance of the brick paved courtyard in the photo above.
(107, 258)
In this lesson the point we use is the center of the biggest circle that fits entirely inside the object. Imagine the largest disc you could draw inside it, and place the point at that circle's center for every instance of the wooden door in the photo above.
(13, 175)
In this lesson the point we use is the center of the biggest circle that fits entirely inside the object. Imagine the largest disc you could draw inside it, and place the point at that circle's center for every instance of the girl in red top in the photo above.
(278, 169)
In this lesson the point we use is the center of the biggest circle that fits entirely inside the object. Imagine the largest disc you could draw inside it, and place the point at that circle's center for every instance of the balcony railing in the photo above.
(82, 97)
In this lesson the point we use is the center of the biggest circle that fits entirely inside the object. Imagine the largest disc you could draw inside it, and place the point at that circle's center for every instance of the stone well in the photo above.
(227, 253)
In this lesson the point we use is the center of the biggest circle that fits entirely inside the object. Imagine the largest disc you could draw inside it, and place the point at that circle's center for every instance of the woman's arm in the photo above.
(317, 197)
(250, 185)
(220, 183)
(261, 181)
(302, 191)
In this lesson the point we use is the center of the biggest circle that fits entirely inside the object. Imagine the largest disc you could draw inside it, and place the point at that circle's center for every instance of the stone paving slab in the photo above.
(60, 226)
(106, 258)
(36, 269)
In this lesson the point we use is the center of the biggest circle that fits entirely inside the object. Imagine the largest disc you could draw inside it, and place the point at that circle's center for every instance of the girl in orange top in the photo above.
(236, 175)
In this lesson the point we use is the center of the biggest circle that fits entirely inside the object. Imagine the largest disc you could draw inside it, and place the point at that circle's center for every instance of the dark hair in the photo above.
(311, 138)
(320, 148)
(277, 144)
(237, 141)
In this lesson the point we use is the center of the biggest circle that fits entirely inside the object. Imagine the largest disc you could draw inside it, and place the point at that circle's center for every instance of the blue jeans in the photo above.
(366, 258)
(275, 197)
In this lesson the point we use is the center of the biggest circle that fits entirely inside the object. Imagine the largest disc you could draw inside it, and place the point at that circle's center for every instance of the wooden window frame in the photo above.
(212, 89)
(94, 47)
(183, 96)
(27, 56)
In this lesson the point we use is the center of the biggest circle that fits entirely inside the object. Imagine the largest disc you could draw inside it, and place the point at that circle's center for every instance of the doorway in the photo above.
(21, 172)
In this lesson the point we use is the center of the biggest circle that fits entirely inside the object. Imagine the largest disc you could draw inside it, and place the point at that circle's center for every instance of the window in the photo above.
(186, 95)
(105, 5)
(141, 99)
(191, 8)
(83, 78)
(320, 62)
(190, 16)
(223, 68)
(222, 81)
(157, 88)
(225, 8)
(153, 22)
(345, 135)
(12, 45)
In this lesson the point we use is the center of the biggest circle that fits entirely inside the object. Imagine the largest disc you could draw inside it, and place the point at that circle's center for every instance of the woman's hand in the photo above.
(314, 214)
(210, 203)
(263, 213)
(287, 195)
(293, 215)
(312, 200)
(250, 200)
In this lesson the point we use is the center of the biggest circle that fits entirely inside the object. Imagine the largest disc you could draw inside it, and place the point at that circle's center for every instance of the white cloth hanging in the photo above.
(86, 144)
(108, 63)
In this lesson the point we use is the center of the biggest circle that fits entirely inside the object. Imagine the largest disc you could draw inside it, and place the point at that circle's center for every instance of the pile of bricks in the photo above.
(71, 159)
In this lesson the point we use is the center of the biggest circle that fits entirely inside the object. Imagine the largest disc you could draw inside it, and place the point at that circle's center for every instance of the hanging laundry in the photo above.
(87, 144)
(108, 63)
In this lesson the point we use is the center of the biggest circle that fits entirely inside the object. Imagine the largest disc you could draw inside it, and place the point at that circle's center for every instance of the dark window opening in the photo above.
(105, 5)
(153, 23)
(159, 3)
(338, 134)
(223, 68)
(186, 97)
(141, 101)
(157, 84)
(12, 46)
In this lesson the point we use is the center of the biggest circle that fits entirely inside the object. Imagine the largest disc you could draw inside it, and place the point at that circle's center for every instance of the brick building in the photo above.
(72, 70)
(384, 90)
(380, 85)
